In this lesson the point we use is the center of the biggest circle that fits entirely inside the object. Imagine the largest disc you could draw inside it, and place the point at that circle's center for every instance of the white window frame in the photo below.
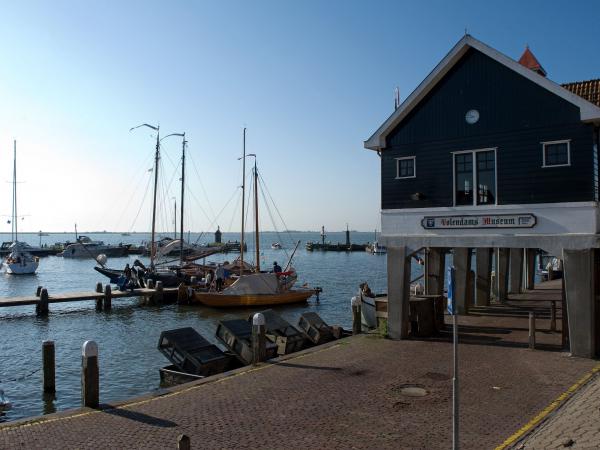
(474, 152)
(562, 141)
(414, 175)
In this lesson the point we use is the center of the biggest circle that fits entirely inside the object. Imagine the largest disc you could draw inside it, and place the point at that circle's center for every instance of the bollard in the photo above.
(552, 316)
(107, 303)
(90, 380)
(356, 315)
(48, 363)
(532, 331)
(42, 307)
(158, 295)
(99, 300)
(183, 442)
(38, 291)
(259, 343)
(150, 283)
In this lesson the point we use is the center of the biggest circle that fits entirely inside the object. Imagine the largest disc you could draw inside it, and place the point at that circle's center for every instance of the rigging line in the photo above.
(197, 201)
(268, 207)
(233, 195)
(133, 193)
(235, 211)
(250, 196)
(142, 203)
(275, 205)
(199, 178)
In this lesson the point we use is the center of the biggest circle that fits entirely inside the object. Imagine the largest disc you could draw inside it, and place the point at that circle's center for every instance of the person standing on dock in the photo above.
(220, 274)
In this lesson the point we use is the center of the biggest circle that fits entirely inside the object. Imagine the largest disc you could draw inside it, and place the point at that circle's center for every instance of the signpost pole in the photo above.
(455, 397)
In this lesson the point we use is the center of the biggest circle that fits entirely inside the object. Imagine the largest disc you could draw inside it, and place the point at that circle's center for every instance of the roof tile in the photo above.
(588, 90)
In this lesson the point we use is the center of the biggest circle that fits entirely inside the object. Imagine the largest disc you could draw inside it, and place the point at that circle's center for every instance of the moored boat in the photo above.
(87, 248)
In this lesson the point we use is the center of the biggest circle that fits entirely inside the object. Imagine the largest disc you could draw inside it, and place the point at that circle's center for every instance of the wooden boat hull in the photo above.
(217, 299)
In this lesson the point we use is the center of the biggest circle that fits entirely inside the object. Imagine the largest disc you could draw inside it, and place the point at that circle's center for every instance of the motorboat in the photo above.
(276, 246)
(376, 248)
(85, 247)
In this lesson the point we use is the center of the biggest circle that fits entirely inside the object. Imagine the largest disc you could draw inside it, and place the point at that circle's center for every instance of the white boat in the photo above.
(19, 261)
(376, 248)
(86, 248)
(276, 246)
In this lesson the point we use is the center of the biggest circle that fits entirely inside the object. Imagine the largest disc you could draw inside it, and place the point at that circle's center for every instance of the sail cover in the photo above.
(254, 284)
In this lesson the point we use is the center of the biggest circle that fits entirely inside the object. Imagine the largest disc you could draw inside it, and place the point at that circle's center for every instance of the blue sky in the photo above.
(310, 80)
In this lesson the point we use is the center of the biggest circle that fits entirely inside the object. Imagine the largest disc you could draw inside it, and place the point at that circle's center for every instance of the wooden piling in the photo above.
(38, 291)
(259, 343)
(90, 379)
(150, 283)
(42, 306)
(532, 331)
(182, 294)
(183, 442)
(48, 364)
(107, 301)
(99, 289)
(356, 315)
(158, 294)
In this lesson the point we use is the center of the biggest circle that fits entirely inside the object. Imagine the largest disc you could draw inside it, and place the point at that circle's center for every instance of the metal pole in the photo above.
(455, 399)
(243, 200)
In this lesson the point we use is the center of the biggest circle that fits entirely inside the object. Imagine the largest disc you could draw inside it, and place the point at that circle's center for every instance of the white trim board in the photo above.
(588, 111)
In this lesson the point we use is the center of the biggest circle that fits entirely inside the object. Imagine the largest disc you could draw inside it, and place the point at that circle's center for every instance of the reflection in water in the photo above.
(49, 406)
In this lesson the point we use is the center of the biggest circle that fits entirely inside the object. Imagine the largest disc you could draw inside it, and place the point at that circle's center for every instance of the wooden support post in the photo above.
(90, 378)
(158, 295)
(398, 281)
(42, 306)
(532, 331)
(552, 316)
(462, 287)
(48, 364)
(107, 303)
(182, 294)
(502, 274)
(483, 262)
(38, 291)
(435, 264)
(183, 442)
(356, 315)
(516, 271)
(530, 255)
(259, 343)
(99, 290)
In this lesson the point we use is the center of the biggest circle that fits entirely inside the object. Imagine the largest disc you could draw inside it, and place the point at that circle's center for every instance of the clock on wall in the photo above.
(472, 116)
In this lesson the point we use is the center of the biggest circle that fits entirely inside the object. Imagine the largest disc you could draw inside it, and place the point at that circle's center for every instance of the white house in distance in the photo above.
(488, 154)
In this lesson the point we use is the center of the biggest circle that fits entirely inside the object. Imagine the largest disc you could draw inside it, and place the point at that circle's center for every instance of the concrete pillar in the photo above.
(579, 289)
(516, 271)
(398, 271)
(530, 254)
(435, 259)
(462, 270)
(483, 261)
(502, 274)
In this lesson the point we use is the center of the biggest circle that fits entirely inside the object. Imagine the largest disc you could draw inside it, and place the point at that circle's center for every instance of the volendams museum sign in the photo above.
(483, 221)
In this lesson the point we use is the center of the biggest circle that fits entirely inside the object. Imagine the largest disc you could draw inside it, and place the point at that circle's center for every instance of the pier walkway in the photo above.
(346, 394)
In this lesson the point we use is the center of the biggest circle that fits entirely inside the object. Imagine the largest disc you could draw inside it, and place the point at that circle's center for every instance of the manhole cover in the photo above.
(412, 390)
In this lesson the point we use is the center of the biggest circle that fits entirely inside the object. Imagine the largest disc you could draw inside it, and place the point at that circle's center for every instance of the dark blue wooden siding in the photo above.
(515, 116)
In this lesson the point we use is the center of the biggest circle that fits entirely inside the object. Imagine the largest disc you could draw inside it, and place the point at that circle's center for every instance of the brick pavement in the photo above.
(345, 395)
(576, 424)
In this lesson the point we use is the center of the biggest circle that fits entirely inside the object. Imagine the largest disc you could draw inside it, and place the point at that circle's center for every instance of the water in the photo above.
(128, 334)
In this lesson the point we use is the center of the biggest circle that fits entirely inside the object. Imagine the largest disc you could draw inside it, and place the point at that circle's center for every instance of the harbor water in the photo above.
(127, 335)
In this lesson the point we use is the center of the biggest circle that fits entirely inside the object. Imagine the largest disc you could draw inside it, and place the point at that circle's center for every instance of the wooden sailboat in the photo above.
(258, 288)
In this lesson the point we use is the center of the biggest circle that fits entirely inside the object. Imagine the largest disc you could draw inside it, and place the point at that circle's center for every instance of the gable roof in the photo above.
(588, 111)
(528, 60)
(589, 90)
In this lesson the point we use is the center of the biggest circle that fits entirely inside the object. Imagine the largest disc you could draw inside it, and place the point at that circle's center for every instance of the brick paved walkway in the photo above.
(346, 395)
(575, 425)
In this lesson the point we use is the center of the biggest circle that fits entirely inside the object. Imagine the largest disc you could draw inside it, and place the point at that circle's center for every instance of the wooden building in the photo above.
(489, 154)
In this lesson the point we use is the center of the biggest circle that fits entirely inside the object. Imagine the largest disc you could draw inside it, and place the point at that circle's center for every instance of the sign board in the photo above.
(479, 221)
(451, 296)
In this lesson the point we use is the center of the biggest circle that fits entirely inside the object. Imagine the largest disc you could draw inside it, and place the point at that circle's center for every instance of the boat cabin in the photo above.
(490, 155)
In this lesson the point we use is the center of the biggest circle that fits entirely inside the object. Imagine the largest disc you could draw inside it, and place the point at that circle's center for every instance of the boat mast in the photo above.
(243, 200)
(256, 216)
(156, 161)
(14, 218)
(182, 192)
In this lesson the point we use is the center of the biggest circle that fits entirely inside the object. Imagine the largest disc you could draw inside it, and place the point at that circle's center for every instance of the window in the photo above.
(475, 177)
(405, 167)
(556, 153)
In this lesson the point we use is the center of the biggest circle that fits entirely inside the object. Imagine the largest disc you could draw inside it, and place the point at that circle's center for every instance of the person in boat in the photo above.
(208, 279)
(366, 290)
(220, 277)
(127, 271)
(276, 267)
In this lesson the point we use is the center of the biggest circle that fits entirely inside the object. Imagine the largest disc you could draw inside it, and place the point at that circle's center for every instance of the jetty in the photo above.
(338, 247)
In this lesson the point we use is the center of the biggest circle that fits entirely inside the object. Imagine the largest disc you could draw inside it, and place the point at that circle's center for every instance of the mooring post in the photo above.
(42, 307)
(552, 316)
(259, 343)
(356, 313)
(532, 331)
(48, 363)
(183, 442)
(90, 379)
(99, 290)
(107, 297)
(182, 294)
(193, 280)
(158, 295)
(38, 291)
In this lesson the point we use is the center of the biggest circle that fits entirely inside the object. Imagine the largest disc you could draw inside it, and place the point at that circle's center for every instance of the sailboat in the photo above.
(256, 288)
(19, 261)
